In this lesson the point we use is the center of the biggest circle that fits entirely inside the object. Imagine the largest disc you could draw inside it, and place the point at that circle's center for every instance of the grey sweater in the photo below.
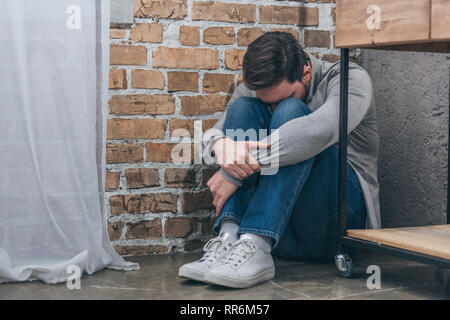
(305, 137)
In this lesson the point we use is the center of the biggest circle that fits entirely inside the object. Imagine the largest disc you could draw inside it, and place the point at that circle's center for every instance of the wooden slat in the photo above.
(440, 20)
(401, 21)
(443, 47)
(430, 240)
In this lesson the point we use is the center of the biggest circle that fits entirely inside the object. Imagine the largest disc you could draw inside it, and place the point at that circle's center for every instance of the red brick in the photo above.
(227, 12)
(117, 79)
(162, 152)
(180, 227)
(317, 38)
(182, 81)
(145, 230)
(215, 82)
(208, 124)
(186, 124)
(331, 58)
(124, 153)
(147, 32)
(116, 33)
(136, 128)
(128, 55)
(142, 104)
(143, 203)
(234, 58)
(205, 104)
(219, 35)
(189, 35)
(115, 230)
(289, 15)
(179, 178)
(239, 80)
(196, 201)
(248, 35)
(112, 180)
(186, 58)
(116, 205)
(147, 79)
(142, 177)
(159, 152)
(165, 9)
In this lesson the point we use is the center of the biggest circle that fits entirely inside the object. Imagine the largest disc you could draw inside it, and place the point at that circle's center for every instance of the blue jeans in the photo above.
(297, 206)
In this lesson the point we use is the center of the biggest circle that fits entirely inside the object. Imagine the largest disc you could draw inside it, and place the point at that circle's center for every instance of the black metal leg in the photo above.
(343, 125)
(343, 262)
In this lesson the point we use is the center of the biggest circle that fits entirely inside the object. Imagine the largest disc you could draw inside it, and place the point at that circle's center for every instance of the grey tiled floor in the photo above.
(157, 279)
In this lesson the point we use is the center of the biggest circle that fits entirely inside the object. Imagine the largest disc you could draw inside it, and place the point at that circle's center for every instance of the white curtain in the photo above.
(54, 59)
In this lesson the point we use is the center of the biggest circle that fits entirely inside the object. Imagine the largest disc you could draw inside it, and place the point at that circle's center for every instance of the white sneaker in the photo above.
(215, 249)
(245, 265)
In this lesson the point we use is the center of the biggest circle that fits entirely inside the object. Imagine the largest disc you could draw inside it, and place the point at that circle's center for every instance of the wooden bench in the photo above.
(406, 25)
(421, 25)
(429, 240)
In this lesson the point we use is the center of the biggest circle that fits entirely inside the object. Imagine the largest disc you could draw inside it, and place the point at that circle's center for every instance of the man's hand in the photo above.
(221, 189)
(235, 158)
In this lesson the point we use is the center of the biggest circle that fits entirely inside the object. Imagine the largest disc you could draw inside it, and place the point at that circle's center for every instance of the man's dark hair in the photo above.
(271, 58)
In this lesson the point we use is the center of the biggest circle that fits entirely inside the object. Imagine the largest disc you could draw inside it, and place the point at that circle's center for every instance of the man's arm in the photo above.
(216, 133)
(304, 137)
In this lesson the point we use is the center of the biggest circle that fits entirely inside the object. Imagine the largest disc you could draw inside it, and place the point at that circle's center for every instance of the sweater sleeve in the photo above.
(302, 138)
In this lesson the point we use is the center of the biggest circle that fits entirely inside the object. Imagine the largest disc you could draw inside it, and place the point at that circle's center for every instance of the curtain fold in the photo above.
(54, 64)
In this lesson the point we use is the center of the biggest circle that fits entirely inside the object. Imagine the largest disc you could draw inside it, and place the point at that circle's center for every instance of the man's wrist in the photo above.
(230, 178)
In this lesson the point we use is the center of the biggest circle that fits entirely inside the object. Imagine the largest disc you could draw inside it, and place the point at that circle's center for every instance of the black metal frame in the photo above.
(396, 252)
(343, 239)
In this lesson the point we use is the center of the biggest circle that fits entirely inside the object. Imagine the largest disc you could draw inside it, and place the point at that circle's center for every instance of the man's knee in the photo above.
(244, 107)
(287, 110)
(245, 113)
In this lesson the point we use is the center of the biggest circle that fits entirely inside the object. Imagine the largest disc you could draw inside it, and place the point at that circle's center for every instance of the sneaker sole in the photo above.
(191, 274)
(212, 278)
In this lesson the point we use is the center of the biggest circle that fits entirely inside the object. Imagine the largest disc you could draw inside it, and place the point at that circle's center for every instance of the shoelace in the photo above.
(239, 252)
(213, 249)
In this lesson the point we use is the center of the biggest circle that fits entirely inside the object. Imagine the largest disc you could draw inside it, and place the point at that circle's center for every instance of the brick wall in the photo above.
(176, 68)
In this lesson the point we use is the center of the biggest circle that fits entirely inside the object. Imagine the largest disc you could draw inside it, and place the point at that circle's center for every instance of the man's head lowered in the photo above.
(276, 68)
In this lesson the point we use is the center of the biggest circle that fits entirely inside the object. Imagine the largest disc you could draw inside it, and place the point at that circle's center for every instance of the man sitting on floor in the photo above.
(292, 211)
